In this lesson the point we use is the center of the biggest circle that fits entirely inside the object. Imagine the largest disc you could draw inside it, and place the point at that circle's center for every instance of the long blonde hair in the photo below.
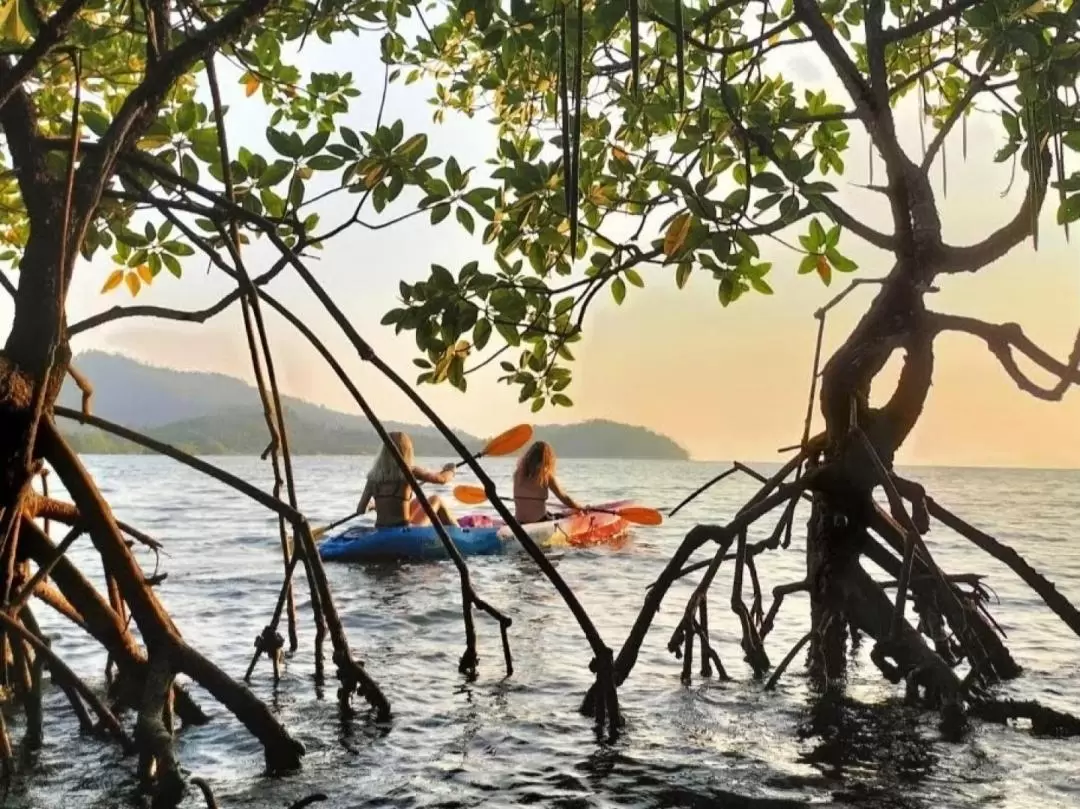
(537, 465)
(385, 469)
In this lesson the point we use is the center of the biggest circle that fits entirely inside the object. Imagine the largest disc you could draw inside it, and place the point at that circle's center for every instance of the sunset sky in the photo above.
(725, 383)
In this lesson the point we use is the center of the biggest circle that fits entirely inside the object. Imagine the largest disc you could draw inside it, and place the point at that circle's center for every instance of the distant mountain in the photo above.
(215, 414)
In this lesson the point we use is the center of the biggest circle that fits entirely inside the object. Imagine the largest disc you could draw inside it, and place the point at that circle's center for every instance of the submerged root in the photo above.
(1044, 721)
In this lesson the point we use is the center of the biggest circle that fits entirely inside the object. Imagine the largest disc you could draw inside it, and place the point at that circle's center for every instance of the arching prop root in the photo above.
(354, 677)
(76, 598)
(954, 620)
(159, 768)
(61, 671)
(772, 495)
(281, 751)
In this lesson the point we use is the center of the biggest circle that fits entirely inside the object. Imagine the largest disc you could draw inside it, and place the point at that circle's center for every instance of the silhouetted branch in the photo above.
(166, 313)
(973, 258)
(218, 474)
(1002, 338)
(1046, 590)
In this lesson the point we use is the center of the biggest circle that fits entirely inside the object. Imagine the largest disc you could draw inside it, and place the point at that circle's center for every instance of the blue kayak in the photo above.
(365, 543)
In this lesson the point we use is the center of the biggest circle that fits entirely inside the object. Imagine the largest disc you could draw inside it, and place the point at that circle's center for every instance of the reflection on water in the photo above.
(505, 742)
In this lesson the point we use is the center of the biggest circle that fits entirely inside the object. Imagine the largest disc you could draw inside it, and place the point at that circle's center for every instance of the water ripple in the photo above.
(498, 742)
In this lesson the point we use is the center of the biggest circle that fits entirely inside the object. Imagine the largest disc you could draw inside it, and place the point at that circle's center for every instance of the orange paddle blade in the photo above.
(640, 515)
(472, 495)
(510, 441)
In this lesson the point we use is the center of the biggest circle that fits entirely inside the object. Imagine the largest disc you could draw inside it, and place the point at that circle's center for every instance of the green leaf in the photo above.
(769, 181)
(1069, 210)
(481, 334)
(561, 400)
(682, 274)
(761, 285)
(465, 218)
(453, 174)
(618, 290)
(204, 143)
(185, 116)
(537, 405)
(97, 122)
(296, 191)
(440, 212)
(350, 138)
(633, 277)
(172, 265)
(325, 162)
(509, 333)
(817, 234)
(808, 264)
(178, 248)
(840, 262)
(315, 143)
(274, 173)
(283, 144)
(414, 148)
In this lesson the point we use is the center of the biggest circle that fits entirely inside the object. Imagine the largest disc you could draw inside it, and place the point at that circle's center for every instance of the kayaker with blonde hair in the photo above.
(389, 493)
(535, 482)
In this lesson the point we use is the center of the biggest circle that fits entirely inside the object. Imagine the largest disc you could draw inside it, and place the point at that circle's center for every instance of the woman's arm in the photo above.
(366, 499)
(566, 499)
(445, 475)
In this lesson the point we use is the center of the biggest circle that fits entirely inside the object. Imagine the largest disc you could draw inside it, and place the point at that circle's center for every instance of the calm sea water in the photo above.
(503, 742)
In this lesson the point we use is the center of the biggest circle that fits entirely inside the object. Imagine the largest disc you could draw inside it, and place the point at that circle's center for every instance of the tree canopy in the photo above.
(144, 73)
(665, 134)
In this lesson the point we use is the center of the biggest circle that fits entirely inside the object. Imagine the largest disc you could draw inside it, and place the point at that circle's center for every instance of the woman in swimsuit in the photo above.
(390, 494)
(535, 482)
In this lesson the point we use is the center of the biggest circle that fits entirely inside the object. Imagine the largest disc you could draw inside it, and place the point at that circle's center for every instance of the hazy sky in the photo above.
(726, 383)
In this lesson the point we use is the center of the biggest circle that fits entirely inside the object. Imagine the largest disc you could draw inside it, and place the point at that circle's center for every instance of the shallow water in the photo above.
(504, 742)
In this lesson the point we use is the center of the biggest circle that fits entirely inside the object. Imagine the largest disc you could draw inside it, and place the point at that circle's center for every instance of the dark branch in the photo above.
(1002, 339)
(220, 475)
(973, 258)
(19, 122)
(959, 110)
(928, 21)
(48, 37)
(140, 106)
(165, 313)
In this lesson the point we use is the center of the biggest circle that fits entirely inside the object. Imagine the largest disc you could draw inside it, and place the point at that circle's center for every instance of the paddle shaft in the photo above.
(475, 457)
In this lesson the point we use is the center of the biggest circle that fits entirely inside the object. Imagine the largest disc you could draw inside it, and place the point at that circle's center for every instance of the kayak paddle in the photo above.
(640, 515)
(503, 444)
(318, 532)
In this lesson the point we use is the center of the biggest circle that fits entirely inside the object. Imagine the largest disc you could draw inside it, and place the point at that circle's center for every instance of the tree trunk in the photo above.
(840, 591)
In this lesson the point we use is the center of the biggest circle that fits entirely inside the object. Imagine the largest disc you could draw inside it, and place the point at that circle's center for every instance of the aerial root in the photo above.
(607, 711)
(778, 598)
(979, 642)
(751, 641)
(469, 659)
(1045, 589)
(779, 671)
(159, 769)
(27, 676)
(59, 668)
